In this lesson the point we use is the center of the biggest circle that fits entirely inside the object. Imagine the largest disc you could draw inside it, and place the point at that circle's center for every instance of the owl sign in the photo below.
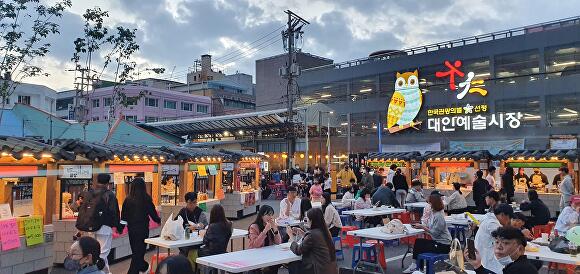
(405, 103)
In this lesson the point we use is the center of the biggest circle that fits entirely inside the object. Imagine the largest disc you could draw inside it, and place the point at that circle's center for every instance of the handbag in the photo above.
(444, 267)
(559, 245)
(456, 254)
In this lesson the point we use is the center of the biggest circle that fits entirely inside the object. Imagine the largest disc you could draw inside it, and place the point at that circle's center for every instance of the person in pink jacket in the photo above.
(264, 232)
(316, 191)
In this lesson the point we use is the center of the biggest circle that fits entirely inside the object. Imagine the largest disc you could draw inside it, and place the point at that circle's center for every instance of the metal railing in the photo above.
(551, 25)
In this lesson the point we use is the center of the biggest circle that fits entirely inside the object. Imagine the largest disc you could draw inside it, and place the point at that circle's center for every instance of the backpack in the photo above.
(91, 211)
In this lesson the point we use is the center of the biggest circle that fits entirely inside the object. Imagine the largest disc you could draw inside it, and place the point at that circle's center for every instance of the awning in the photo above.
(569, 154)
(187, 153)
(404, 156)
(104, 152)
(244, 121)
(449, 155)
(18, 147)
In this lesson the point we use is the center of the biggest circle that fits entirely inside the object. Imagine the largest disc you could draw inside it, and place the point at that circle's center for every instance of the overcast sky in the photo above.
(173, 33)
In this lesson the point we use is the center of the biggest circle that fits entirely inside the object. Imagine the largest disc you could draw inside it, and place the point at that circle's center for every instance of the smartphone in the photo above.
(471, 249)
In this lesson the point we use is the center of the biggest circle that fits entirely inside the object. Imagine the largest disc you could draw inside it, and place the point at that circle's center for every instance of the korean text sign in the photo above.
(33, 229)
(9, 237)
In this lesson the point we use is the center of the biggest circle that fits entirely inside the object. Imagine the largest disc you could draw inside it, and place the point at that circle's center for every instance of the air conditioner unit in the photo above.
(282, 71)
(295, 69)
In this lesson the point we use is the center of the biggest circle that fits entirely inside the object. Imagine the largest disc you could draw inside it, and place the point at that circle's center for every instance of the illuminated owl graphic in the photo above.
(405, 103)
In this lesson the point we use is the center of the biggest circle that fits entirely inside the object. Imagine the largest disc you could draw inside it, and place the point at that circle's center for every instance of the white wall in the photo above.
(41, 97)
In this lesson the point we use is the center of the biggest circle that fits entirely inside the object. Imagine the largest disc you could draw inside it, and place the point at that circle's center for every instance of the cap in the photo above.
(504, 209)
(575, 199)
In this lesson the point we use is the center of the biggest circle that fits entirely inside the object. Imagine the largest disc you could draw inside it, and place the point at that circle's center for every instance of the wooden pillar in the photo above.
(218, 180)
(188, 181)
(52, 186)
(183, 181)
(5, 192)
(257, 180)
(39, 197)
(121, 191)
(156, 186)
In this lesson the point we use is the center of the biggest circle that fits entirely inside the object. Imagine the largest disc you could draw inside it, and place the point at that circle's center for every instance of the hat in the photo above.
(504, 209)
(575, 199)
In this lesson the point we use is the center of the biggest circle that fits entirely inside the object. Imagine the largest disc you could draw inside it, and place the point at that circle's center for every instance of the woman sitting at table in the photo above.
(316, 248)
(331, 216)
(363, 202)
(305, 205)
(456, 202)
(437, 228)
(218, 234)
(264, 232)
(349, 195)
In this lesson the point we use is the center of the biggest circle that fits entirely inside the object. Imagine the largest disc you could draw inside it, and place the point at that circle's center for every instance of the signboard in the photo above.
(71, 112)
(265, 166)
(568, 143)
(248, 165)
(492, 146)
(33, 229)
(9, 234)
(76, 171)
(170, 169)
(148, 177)
(201, 170)
(212, 170)
(132, 168)
(18, 171)
(118, 178)
(407, 100)
(5, 211)
(228, 166)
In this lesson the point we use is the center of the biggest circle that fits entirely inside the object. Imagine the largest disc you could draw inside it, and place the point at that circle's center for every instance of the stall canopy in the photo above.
(457, 155)
(404, 156)
(20, 147)
(190, 154)
(242, 154)
(550, 154)
(104, 152)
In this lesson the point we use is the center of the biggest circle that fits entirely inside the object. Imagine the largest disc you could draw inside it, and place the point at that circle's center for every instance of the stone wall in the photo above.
(26, 259)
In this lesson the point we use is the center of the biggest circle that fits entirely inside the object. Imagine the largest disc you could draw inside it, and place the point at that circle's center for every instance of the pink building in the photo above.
(147, 104)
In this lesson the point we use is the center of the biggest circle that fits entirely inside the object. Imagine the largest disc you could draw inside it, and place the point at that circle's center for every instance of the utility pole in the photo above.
(81, 97)
(291, 71)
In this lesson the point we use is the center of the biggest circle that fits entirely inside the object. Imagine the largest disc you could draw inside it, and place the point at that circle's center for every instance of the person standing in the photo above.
(137, 208)
(566, 187)
(480, 188)
(344, 178)
(316, 191)
(401, 187)
(327, 183)
(521, 178)
(507, 183)
(99, 223)
(367, 179)
(391, 173)
(539, 211)
(490, 177)
(500, 217)
(538, 180)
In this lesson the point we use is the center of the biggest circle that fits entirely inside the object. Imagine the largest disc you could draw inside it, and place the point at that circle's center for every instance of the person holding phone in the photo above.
(264, 232)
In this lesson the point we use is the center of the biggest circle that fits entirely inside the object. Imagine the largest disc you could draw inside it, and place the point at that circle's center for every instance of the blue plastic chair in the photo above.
(339, 252)
(369, 254)
(430, 258)
(458, 232)
(346, 220)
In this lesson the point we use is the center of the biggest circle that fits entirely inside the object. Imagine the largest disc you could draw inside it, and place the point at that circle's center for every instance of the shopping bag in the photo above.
(456, 254)
(173, 229)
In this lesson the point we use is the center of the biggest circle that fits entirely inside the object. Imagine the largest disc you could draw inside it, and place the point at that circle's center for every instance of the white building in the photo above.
(38, 96)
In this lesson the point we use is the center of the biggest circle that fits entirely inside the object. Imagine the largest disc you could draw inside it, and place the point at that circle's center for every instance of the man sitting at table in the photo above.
(499, 217)
(290, 206)
(540, 212)
(385, 196)
(416, 192)
(509, 249)
(519, 221)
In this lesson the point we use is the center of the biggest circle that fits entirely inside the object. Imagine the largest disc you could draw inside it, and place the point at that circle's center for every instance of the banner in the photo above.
(492, 146)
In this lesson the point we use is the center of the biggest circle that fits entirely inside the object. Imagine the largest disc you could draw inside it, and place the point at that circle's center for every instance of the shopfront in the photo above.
(408, 162)
(241, 183)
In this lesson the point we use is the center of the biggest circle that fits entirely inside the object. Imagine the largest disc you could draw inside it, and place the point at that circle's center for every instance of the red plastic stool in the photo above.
(348, 240)
(405, 217)
(381, 255)
(153, 266)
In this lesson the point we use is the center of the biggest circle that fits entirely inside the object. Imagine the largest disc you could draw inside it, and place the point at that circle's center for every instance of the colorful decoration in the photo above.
(405, 103)
(573, 235)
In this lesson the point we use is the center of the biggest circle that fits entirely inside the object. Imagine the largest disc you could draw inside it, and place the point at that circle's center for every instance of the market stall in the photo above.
(123, 163)
(539, 170)
(241, 183)
(408, 162)
(27, 184)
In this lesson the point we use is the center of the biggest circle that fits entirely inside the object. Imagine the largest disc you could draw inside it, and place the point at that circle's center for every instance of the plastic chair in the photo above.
(430, 258)
(458, 232)
(381, 256)
(405, 217)
(339, 252)
(155, 261)
(539, 229)
(346, 220)
(349, 240)
(369, 254)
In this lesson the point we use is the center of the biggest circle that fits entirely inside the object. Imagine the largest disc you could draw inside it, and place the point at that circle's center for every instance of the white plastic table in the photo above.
(375, 233)
(250, 259)
(194, 239)
(452, 220)
(371, 212)
(545, 254)
(416, 205)
(288, 222)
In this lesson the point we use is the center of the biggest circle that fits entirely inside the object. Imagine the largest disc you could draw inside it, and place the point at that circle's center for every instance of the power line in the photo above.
(256, 49)
(249, 48)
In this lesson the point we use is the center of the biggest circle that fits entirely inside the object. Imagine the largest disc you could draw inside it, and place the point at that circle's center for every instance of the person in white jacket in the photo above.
(456, 203)
(569, 217)
(501, 216)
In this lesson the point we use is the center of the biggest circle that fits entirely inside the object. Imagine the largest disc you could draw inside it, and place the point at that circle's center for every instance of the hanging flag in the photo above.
(201, 170)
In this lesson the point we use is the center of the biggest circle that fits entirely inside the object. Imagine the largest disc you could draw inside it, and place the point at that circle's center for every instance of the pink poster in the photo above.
(9, 237)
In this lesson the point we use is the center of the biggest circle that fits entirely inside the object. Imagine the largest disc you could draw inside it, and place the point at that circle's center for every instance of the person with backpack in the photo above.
(98, 214)
(137, 208)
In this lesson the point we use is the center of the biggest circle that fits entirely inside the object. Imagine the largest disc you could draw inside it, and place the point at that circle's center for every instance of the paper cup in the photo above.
(544, 237)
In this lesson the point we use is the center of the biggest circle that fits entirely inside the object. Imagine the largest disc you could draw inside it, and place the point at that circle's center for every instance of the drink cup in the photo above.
(545, 237)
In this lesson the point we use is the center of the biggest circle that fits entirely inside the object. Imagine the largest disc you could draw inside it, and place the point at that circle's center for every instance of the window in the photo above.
(563, 60)
(132, 101)
(362, 124)
(23, 99)
(518, 66)
(563, 109)
(529, 107)
(96, 103)
(149, 119)
(363, 88)
(95, 118)
(131, 118)
(7, 101)
(187, 106)
(107, 101)
(238, 104)
(152, 102)
(170, 104)
(202, 108)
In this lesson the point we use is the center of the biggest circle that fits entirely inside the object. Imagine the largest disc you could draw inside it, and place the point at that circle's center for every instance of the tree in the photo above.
(25, 26)
(117, 48)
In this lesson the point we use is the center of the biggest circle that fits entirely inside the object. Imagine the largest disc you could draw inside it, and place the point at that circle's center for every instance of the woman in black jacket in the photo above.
(137, 208)
(401, 187)
(218, 234)
(507, 183)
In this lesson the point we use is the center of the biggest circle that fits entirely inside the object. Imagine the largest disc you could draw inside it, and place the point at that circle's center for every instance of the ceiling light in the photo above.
(344, 124)
(568, 115)
(241, 132)
(365, 90)
(325, 95)
(570, 110)
(482, 74)
(564, 64)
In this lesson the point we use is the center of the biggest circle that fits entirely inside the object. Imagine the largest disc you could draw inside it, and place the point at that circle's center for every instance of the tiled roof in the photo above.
(18, 146)
(570, 154)
(472, 155)
(405, 156)
(104, 152)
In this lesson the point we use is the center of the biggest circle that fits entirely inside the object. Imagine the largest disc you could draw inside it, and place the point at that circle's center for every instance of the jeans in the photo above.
(401, 195)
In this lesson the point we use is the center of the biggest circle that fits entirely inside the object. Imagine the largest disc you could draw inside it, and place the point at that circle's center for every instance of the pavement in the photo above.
(393, 253)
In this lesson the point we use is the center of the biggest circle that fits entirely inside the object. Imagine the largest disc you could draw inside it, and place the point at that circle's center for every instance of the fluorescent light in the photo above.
(564, 64)
(365, 90)
(528, 116)
(374, 127)
(482, 74)
(344, 124)
(325, 95)
(570, 110)
(568, 115)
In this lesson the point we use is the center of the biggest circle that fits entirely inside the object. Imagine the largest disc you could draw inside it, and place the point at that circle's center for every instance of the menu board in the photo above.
(76, 171)
(148, 177)
(170, 169)
(5, 211)
(33, 229)
(9, 237)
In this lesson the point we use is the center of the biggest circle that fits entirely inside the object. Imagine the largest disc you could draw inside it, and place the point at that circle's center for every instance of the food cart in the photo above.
(408, 162)
(539, 170)
(123, 163)
(241, 183)
(28, 184)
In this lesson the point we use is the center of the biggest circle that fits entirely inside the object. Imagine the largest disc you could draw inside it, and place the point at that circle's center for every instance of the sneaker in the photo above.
(410, 269)
(146, 271)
